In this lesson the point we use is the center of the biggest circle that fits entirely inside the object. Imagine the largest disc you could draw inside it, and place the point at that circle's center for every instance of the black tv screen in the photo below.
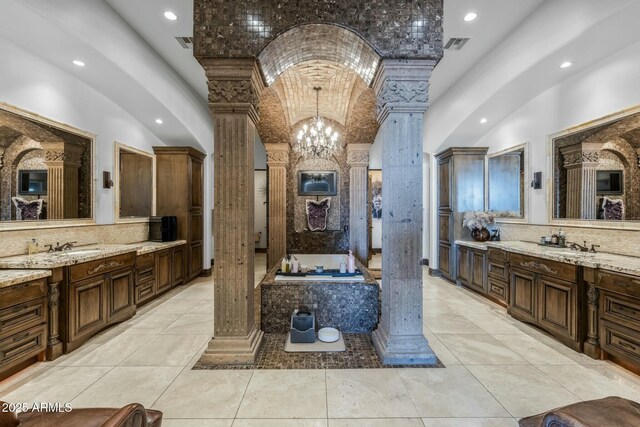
(609, 182)
(32, 182)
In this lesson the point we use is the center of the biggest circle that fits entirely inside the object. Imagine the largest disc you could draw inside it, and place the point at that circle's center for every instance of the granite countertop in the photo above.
(14, 277)
(148, 247)
(606, 261)
(270, 279)
(61, 259)
(471, 244)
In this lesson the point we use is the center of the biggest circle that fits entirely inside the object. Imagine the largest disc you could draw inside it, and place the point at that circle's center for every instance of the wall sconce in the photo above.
(106, 180)
(536, 184)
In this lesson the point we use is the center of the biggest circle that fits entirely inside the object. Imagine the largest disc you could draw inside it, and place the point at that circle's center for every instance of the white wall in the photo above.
(30, 83)
(607, 87)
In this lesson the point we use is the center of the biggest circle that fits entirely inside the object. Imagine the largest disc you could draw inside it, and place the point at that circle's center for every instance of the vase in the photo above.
(480, 234)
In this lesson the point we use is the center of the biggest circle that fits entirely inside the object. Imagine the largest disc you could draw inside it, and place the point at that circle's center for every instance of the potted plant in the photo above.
(479, 222)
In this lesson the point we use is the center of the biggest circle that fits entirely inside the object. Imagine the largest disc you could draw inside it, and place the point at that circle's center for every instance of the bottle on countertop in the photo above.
(351, 263)
(554, 239)
(32, 247)
(343, 267)
(295, 265)
(562, 239)
(283, 265)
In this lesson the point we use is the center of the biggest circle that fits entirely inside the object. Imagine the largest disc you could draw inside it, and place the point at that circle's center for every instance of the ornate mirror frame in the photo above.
(116, 183)
(525, 147)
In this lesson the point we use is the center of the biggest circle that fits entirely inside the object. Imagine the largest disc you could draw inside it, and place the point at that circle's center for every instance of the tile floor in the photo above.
(497, 370)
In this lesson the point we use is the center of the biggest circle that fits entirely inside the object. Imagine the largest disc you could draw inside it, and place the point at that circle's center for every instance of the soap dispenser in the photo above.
(351, 263)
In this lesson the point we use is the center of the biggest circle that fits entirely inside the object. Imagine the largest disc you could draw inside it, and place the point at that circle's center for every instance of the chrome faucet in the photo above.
(579, 247)
(60, 247)
(593, 248)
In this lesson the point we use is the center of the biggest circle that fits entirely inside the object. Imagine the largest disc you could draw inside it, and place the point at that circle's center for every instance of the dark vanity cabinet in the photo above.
(23, 325)
(472, 268)
(460, 189)
(159, 271)
(550, 295)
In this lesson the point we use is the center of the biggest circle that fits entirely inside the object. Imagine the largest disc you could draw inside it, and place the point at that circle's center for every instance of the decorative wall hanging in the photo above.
(317, 183)
(376, 193)
(26, 210)
(317, 213)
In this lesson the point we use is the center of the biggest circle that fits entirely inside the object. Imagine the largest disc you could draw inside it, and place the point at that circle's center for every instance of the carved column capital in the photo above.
(584, 155)
(62, 153)
(277, 154)
(402, 86)
(358, 154)
(234, 86)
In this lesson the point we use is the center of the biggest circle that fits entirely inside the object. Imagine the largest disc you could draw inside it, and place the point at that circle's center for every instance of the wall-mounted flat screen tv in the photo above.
(32, 182)
(609, 182)
(317, 183)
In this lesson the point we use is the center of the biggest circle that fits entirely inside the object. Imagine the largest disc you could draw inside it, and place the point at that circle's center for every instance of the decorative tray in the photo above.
(332, 273)
(554, 246)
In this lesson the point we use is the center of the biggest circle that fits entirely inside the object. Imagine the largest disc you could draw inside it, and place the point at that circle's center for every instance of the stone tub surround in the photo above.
(347, 306)
(14, 277)
(14, 242)
(619, 241)
(605, 261)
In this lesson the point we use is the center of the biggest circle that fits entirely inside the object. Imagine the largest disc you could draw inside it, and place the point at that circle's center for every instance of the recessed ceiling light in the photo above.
(483, 120)
(159, 121)
(470, 16)
(78, 63)
(566, 64)
(171, 16)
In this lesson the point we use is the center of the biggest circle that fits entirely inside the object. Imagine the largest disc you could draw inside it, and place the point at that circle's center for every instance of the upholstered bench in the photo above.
(610, 412)
(132, 415)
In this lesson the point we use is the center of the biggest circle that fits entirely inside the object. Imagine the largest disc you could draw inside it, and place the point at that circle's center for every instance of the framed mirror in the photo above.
(46, 170)
(596, 172)
(134, 184)
(506, 178)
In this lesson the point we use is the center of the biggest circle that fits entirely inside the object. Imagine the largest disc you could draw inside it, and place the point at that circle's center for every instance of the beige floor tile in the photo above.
(200, 292)
(183, 422)
(371, 422)
(442, 352)
(438, 392)
(593, 382)
(202, 307)
(114, 351)
(374, 393)
(54, 385)
(176, 306)
(167, 350)
(469, 422)
(450, 323)
(191, 324)
(151, 325)
(279, 423)
(480, 350)
(533, 351)
(127, 384)
(494, 323)
(285, 394)
(522, 389)
(204, 394)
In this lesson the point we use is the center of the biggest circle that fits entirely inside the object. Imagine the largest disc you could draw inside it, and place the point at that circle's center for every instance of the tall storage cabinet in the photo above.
(460, 189)
(180, 192)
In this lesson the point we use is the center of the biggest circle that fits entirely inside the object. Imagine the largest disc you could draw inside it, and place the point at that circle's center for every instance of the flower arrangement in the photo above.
(478, 219)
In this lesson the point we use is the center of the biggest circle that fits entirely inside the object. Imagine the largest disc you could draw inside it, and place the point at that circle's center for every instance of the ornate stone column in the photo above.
(63, 161)
(401, 87)
(581, 162)
(592, 344)
(358, 161)
(277, 162)
(234, 88)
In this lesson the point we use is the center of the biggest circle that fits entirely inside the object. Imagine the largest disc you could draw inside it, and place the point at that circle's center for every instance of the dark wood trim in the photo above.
(376, 250)
(434, 272)
(258, 251)
(425, 261)
(206, 272)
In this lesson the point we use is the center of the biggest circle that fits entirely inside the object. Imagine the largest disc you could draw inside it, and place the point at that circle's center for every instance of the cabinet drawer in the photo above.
(23, 292)
(620, 341)
(620, 308)
(23, 316)
(144, 291)
(498, 289)
(497, 254)
(100, 266)
(146, 274)
(498, 270)
(544, 266)
(23, 345)
(617, 282)
(146, 260)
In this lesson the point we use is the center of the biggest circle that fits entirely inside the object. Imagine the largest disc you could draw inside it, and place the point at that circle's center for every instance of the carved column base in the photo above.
(402, 349)
(233, 350)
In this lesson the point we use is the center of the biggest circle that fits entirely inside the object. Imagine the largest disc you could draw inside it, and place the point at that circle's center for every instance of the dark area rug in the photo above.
(359, 354)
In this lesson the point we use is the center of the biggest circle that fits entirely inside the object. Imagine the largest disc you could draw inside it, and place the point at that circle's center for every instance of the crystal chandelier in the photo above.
(314, 139)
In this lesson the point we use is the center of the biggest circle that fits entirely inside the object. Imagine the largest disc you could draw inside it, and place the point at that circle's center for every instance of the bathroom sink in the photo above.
(570, 253)
(81, 252)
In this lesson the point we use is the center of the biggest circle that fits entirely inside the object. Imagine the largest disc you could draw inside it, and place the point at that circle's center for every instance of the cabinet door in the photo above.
(195, 260)
(196, 177)
(557, 306)
(178, 269)
(478, 271)
(445, 219)
(463, 266)
(522, 295)
(163, 270)
(120, 290)
(444, 184)
(498, 289)
(444, 257)
(87, 307)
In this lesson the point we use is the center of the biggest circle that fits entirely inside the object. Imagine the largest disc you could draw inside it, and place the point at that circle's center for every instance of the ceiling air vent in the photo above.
(185, 42)
(456, 43)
